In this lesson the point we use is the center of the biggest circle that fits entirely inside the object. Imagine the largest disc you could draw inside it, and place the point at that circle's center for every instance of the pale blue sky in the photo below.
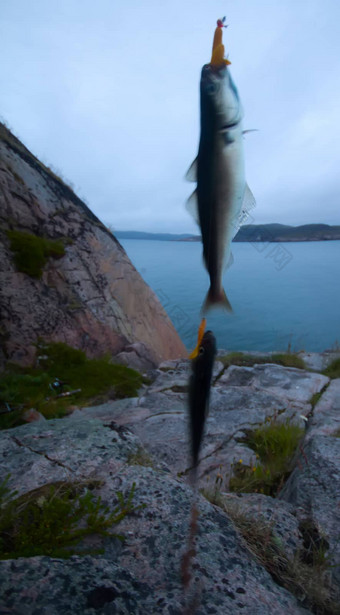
(107, 93)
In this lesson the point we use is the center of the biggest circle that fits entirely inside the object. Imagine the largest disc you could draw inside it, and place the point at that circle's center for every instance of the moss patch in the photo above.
(140, 458)
(274, 444)
(53, 519)
(97, 379)
(32, 252)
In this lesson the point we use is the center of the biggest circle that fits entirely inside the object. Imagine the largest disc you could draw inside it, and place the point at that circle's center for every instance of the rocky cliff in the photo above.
(64, 276)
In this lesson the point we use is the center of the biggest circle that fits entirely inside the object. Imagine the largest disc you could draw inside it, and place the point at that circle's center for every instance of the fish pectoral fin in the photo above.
(230, 261)
(191, 174)
(248, 203)
(245, 132)
(192, 206)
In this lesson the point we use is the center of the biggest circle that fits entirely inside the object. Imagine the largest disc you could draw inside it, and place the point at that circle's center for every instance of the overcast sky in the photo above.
(106, 92)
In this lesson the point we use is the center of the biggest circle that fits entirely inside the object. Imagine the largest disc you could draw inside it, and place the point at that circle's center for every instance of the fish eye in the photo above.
(211, 88)
(201, 350)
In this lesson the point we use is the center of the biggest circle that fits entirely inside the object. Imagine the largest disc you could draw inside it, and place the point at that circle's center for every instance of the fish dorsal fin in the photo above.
(247, 204)
(191, 174)
(192, 206)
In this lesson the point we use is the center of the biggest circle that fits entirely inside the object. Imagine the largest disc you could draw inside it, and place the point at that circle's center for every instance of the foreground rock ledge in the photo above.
(142, 575)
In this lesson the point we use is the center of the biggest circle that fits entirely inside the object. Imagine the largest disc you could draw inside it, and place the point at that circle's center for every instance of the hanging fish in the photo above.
(221, 201)
(199, 390)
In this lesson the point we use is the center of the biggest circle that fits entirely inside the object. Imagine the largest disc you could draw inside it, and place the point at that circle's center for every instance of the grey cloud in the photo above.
(108, 93)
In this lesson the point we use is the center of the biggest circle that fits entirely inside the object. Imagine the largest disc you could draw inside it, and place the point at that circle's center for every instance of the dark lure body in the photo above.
(199, 391)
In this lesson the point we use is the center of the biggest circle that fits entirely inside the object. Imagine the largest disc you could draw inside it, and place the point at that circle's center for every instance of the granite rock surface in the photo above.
(91, 297)
(144, 441)
(142, 574)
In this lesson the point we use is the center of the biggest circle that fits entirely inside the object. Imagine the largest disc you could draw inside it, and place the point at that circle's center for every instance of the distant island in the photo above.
(252, 233)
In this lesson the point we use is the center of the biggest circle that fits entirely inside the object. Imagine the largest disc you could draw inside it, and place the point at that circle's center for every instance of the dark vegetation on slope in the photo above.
(283, 232)
(32, 252)
(97, 379)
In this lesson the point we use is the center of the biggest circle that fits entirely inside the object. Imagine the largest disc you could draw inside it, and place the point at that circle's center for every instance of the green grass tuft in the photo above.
(32, 252)
(246, 360)
(333, 369)
(288, 360)
(242, 359)
(98, 379)
(274, 444)
(53, 519)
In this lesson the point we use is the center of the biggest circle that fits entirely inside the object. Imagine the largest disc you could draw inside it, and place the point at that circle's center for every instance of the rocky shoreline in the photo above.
(144, 441)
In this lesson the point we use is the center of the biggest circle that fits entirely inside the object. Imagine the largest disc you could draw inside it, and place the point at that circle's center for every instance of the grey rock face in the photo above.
(142, 575)
(314, 490)
(319, 361)
(294, 386)
(326, 416)
(314, 486)
(92, 298)
(275, 514)
(242, 399)
(144, 441)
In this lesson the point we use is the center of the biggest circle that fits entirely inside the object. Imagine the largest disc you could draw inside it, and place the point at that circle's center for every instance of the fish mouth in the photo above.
(214, 69)
(212, 77)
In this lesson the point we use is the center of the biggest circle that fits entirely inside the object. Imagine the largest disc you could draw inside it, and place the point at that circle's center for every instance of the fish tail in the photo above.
(216, 299)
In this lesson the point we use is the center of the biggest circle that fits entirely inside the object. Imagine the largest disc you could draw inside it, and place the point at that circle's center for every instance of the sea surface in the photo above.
(285, 296)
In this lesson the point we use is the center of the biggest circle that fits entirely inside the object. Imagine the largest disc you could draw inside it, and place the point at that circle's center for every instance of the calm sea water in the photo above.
(283, 295)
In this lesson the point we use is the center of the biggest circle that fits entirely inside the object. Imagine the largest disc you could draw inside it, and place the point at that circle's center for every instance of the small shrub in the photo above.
(274, 444)
(53, 519)
(31, 252)
(333, 369)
